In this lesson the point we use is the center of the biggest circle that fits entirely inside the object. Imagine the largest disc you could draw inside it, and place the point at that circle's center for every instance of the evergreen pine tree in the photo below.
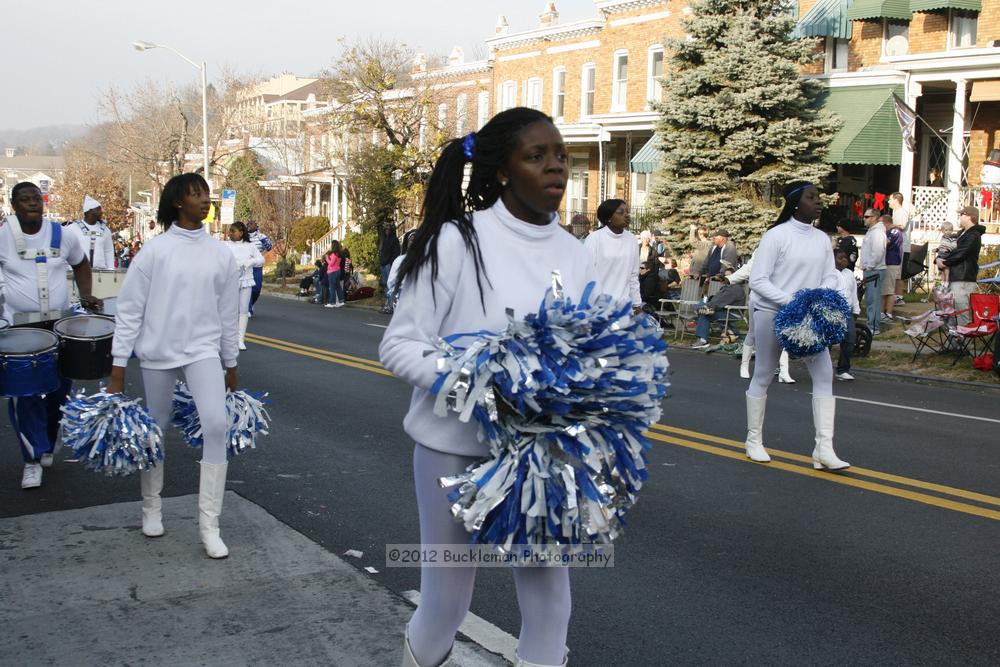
(242, 175)
(737, 120)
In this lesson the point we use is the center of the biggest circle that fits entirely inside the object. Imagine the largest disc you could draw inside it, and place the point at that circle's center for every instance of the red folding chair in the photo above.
(977, 337)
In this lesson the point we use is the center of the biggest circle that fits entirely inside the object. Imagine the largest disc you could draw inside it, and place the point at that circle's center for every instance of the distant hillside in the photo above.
(46, 140)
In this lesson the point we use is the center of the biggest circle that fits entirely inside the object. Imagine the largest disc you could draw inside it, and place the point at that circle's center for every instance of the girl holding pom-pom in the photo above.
(792, 255)
(478, 253)
(177, 311)
(248, 257)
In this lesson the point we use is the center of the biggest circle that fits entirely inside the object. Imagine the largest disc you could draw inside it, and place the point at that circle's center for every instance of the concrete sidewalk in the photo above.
(84, 587)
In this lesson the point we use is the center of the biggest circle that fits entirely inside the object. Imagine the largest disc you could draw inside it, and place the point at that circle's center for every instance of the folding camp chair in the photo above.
(978, 336)
(915, 270)
(990, 285)
(927, 331)
(680, 311)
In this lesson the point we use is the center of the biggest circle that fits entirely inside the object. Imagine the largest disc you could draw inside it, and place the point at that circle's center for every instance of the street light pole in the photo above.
(145, 46)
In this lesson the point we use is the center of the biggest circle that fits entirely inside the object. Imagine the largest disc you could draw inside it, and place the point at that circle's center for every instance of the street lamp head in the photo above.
(140, 45)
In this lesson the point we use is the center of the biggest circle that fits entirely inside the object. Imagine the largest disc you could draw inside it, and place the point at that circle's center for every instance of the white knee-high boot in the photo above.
(755, 429)
(745, 361)
(410, 661)
(211, 489)
(244, 318)
(824, 413)
(783, 375)
(151, 484)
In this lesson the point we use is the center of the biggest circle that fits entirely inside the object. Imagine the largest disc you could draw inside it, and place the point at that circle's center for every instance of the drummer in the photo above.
(34, 256)
(95, 235)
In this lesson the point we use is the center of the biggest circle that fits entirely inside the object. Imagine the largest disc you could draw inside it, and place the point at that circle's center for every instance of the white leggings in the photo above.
(245, 299)
(767, 350)
(207, 385)
(445, 593)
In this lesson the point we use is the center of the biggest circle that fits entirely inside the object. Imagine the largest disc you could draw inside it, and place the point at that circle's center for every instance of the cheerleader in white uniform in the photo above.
(478, 253)
(792, 255)
(248, 258)
(177, 312)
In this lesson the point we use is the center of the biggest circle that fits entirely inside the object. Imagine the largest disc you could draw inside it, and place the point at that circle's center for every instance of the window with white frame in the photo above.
(461, 110)
(559, 93)
(483, 114)
(654, 76)
(588, 86)
(508, 95)
(619, 84)
(533, 93)
(579, 184)
(836, 54)
(611, 176)
(963, 29)
(442, 118)
(893, 29)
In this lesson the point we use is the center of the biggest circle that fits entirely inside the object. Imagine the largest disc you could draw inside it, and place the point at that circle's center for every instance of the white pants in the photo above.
(445, 592)
(245, 299)
(206, 382)
(768, 351)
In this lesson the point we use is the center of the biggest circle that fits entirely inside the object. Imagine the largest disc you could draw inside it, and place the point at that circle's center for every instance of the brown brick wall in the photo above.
(929, 33)
(983, 136)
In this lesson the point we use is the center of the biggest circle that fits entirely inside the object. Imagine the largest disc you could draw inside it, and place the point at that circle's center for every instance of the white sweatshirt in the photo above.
(616, 259)
(247, 258)
(103, 244)
(518, 261)
(848, 288)
(179, 303)
(873, 248)
(791, 256)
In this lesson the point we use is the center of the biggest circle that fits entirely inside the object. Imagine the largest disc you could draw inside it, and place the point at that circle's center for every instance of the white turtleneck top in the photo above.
(791, 256)
(179, 303)
(518, 261)
(616, 260)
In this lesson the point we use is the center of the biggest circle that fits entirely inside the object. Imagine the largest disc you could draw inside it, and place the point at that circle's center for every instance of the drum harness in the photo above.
(92, 235)
(41, 258)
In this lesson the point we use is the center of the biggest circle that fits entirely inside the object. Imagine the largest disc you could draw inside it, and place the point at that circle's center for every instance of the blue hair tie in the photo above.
(798, 189)
(469, 146)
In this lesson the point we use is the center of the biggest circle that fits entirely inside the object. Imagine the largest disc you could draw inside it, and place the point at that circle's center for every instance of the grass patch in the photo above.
(926, 365)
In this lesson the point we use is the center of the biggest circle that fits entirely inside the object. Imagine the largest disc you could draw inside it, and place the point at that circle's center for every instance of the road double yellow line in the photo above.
(732, 449)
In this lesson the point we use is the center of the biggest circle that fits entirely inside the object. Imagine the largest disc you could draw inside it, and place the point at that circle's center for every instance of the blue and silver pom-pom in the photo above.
(562, 398)
(245, 413)
(812, 321)
(111, 433)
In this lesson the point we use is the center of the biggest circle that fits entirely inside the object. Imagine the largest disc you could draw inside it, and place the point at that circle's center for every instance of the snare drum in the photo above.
(85, 346)
(28, 362)
(106, 282)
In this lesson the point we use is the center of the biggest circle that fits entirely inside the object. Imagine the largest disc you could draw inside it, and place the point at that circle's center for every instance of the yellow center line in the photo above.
(659, 431)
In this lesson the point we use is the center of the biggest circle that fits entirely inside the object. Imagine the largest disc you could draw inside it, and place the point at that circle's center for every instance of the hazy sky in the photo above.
(61, 54)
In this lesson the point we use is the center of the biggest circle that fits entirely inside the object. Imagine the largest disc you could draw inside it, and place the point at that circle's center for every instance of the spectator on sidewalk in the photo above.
(388, 251)
(873, 266)
(715, 309)
(700, 247)
(901, 221)
(848, 288)
(963, 261)
(949, 239)
(335, 289)
(721, 256)
(615, 252)
(893, 266)
(649, 247)
(847, 243)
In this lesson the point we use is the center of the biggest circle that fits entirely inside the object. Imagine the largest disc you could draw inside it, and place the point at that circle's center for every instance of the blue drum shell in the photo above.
(29, 375)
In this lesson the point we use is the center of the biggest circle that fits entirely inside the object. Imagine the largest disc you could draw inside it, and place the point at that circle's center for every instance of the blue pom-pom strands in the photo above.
(111, 433)
(563, 398)
(812, 321)
(245, 413)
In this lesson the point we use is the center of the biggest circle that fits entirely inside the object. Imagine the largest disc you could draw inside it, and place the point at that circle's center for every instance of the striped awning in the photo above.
(881, 9)
(870, 133)
(827, 18)
(932, 5)
(648, 158)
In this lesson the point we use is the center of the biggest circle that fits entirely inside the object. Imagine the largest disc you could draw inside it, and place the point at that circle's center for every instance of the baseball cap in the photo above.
(970, 211)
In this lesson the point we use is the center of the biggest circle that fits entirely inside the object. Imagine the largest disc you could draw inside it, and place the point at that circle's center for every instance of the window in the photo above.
(484, 109)
(461, 103)
(654, 87)
(533, 93)
(891, 30)
(588, 84)
(508, 95)
(578, 185)
(559, 93)
(619, 86)
(963, 29)
(442, 119)
(836, 54)
(611, 174)
(641, 182)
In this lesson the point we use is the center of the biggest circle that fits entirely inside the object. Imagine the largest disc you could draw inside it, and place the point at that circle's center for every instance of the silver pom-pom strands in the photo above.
(563, 398)
(247, 419)
(812, 321)
(111, 433)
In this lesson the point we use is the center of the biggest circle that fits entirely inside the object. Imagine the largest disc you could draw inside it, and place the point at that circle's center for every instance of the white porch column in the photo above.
(331, 209)
(343, 201)
(911, 96)
(334, 202)
(957, 152)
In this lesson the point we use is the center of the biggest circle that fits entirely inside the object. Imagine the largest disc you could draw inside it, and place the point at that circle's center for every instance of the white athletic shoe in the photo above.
(700, 345)
(32, 478)
(46, 460)
(339, 304)
(329, 305)
(847, 377)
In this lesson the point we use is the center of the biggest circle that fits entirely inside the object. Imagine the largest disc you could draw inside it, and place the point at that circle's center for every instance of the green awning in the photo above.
(648, 158)
(870, 134)
(881, 9)
(931, 5)
(827, 18)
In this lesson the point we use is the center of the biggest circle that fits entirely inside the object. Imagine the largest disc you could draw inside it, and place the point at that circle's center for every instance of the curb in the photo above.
(350, 304)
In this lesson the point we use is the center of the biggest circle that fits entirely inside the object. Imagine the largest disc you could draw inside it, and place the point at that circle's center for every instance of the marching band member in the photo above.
(177, 312)
(259, 239)
(95, 235)
(247, 258)
(34, 257)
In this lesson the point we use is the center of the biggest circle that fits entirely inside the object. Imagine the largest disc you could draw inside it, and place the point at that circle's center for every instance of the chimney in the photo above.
(456, 57)
(502, 26)
(550, 16)
(419, 64)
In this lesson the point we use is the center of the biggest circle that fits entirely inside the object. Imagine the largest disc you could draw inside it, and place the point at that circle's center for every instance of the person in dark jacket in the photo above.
(388, 251)
(963, 261)
(715, 309)
(847, 243)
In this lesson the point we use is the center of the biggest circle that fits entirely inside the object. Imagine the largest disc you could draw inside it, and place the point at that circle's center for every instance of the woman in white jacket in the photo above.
(248, 258)
(479, 254)
(177, 311)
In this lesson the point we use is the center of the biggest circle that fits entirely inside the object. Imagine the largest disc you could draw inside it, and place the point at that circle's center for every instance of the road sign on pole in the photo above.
(228, 212)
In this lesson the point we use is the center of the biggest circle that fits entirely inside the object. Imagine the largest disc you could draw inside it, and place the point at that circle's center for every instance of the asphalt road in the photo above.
(725, 561)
